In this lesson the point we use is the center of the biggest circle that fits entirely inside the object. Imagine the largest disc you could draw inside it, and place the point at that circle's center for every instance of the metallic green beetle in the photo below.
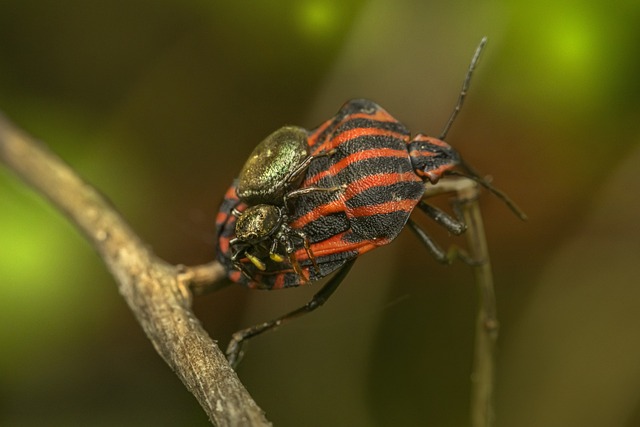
(275, 165)
(267, 183)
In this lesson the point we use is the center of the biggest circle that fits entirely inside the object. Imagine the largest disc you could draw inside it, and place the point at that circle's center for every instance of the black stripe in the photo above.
(403, 190)
(330, 263)
(326, 227)
(379, 226)
(373, 166)
(365, 143)
(359, 145)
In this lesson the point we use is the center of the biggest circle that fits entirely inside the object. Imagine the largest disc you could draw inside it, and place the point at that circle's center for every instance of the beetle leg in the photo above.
(238, 248)
(307, 248)
(273, 251)
(290, 250)
(307, 190)
(312, 257)
(284, 239)
(256, 261)
(238, 265)
(241, 268)
(234, 349)
(438, 253)
(296, 267)
(299, 170)
(287, 233)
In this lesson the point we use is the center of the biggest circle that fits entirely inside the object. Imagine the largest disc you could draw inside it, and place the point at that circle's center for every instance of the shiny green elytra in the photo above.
(272, 167)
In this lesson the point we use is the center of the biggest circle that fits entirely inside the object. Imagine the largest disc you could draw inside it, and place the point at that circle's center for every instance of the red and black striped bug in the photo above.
(350, 190)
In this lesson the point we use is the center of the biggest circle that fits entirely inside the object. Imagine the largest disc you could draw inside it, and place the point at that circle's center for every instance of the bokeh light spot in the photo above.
(318, 19)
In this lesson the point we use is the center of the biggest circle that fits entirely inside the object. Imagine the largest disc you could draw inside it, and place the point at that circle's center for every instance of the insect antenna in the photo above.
(472, 174)
(465, 88)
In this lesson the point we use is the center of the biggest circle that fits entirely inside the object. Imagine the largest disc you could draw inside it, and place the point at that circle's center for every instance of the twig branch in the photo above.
(483, 374)
(158, 293)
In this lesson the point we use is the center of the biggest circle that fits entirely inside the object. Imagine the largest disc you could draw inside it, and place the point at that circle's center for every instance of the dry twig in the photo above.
(158, 293)
(482, 376)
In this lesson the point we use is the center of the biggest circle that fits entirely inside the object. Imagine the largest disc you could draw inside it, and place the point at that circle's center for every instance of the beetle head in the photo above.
(258, 223)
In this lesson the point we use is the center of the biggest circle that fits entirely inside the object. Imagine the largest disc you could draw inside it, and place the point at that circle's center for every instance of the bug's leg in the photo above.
(454, 226)
(444, 257)
(307, 190)
(296, 267)
(240, 250)
(234, 350)
(242, 269)
(290, 250)
(307, 248)
(291, 253)
(297, 173)
(238, 265)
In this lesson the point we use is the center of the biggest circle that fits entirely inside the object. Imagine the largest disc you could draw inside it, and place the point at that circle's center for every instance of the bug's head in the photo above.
(431, 157)
(258, 223)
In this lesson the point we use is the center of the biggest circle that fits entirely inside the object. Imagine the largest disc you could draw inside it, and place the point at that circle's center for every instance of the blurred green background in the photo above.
(158, 103)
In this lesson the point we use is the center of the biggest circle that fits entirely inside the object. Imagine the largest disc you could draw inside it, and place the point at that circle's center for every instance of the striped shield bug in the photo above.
(308, 203)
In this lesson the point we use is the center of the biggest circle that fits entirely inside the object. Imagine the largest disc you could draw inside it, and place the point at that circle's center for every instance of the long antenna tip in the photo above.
(465, 88)
(474, 175)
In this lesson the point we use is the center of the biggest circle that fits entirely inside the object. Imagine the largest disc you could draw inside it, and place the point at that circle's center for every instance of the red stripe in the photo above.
(223, 242)
(313, 138)
(231, 193)
(322, 210)
(353, 158)
(434, 175)
(341, 138)
(235, 275)
(378, 180)
(338, 244)
(279, 282)
(221, 217)
(383, 208)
